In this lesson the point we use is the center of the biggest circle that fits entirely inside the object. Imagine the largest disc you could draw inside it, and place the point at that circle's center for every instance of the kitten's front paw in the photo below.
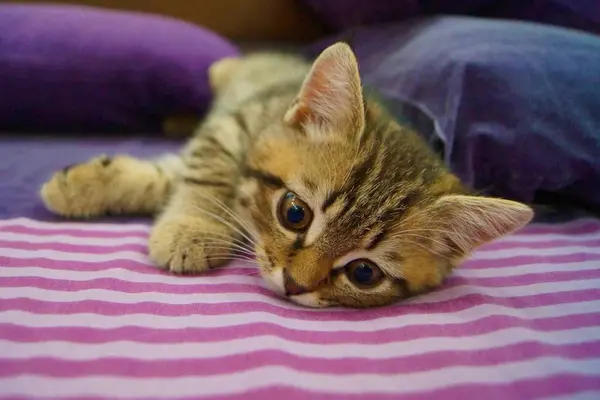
(189, 245)
(78, 190)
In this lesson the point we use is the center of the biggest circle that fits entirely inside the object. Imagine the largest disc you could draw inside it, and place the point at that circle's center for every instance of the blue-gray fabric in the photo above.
(514, 106)
(342, 14)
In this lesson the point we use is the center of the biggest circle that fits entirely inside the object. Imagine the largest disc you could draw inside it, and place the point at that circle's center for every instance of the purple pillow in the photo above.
(513, 107)
(70, 68)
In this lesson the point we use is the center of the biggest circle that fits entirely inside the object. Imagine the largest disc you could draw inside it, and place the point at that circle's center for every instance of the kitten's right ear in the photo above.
(469, 222)
(330, 99)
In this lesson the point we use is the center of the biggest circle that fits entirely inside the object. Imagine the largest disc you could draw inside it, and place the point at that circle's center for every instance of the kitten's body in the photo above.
(283, 143)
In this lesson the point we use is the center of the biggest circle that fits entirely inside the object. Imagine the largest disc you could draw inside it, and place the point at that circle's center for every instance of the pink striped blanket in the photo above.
(83, 314)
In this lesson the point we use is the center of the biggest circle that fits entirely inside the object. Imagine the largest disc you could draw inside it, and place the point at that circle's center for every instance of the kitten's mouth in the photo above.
(275, 278)
(290, 287)
(309, 299)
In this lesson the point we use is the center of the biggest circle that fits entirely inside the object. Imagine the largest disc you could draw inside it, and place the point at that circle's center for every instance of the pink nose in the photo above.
(291, 287)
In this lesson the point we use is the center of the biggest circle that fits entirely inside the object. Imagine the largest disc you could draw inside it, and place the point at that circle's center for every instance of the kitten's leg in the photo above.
(194, 231)
(103, 185)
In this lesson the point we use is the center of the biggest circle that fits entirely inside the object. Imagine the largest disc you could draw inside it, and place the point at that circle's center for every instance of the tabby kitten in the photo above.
(343, 206)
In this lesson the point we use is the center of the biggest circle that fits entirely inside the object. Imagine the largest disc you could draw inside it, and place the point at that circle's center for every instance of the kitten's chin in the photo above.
(311, 300)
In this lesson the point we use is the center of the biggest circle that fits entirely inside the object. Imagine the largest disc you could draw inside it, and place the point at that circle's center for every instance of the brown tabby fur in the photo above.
(376, 190)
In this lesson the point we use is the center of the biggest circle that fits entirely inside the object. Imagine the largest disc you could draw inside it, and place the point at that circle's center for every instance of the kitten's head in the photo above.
(352, 210)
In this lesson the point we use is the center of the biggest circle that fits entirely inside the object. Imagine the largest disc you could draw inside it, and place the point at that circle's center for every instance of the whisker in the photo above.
(249, 256)
(230, 212)
(229, 238)
(230, 255)
(244, 260)
(232, 251)
(226, 223)
(227, 244)
(253, 272)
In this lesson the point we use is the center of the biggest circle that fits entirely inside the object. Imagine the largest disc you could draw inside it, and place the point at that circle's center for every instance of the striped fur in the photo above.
(278, 125)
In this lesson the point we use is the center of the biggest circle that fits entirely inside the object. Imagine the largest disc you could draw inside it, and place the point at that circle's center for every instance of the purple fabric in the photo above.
(512, 106)
(85, 315)
(65, 68)
(342, 14)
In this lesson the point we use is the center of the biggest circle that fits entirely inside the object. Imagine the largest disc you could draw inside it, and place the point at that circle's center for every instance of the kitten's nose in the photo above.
(291, 287)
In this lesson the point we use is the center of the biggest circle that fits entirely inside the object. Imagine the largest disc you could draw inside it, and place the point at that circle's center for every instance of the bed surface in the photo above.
(83, 314)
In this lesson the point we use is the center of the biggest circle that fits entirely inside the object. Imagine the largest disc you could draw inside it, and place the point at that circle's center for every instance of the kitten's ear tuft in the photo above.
(469, 222)
(330, 99)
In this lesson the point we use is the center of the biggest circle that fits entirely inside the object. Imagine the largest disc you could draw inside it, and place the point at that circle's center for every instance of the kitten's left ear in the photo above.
(469, 222)
(331, 96)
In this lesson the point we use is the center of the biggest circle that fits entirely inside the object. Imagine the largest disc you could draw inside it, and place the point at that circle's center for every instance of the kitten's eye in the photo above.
(293, 213)
(364, 273)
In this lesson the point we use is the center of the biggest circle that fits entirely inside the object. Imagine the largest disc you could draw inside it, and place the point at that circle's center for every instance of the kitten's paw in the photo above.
(120, 185)
(79, 190)
(188, 245)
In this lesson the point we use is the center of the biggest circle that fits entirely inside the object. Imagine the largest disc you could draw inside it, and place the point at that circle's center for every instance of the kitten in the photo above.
(344, 207)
